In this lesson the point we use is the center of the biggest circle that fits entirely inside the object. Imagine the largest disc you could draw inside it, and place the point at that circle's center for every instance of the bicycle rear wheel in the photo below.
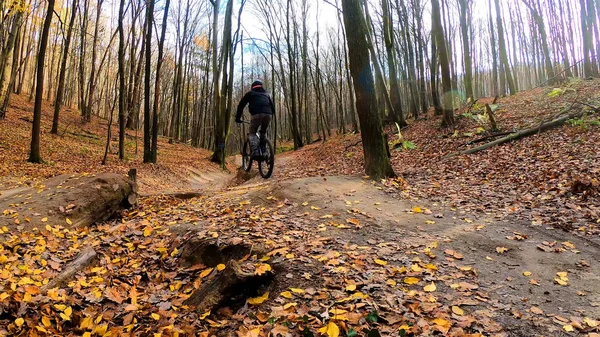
(265, 167)
(246, 161)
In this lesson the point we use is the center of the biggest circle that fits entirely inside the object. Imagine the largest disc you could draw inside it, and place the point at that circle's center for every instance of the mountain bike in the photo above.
(266, 160)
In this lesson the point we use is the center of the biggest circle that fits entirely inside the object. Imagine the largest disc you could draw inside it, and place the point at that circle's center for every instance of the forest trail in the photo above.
(504, 270)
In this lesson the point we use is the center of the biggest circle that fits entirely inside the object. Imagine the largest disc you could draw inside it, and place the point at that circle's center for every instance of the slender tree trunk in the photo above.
(388, 36)
(63, 71)
(440, 41)
(503, 52)
(464, 28)
(377, 164)
(34, 154)
(148, 73)
(122, 92)
(157, 85)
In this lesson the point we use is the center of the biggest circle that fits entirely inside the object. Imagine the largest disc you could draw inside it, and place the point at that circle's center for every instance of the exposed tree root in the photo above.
(84, 259)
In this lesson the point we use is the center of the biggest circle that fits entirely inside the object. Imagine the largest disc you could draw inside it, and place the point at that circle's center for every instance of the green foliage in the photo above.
(284, 148)
(556, 92)
(352, 333)
(372, 317)
(401, 143)
(584, 122)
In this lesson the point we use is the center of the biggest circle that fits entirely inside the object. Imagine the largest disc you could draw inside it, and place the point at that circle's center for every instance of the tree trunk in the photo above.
(148, 72)
(503, 53)
(377, 163)
(464, 28)
(388, 36)
(440, 41)
(34, 154)
(157, 86)
(122, 93)
(63, 71)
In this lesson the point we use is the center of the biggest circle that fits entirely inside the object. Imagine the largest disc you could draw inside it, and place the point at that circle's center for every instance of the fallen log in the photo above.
(71, 201)
(544, 126)
(84, 259)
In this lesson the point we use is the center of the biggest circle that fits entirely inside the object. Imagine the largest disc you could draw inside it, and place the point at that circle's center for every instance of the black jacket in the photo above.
(260, 103)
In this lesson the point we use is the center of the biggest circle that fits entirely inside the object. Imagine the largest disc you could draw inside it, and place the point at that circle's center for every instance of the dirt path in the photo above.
(517, 267)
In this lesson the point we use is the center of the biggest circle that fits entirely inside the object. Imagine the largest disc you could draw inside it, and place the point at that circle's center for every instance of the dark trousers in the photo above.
(262, 121)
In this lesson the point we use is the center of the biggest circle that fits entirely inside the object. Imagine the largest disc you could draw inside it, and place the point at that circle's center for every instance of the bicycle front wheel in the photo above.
(265, 167)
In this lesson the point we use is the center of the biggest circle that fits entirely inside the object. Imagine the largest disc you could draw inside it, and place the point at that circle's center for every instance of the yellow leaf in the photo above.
(336, 311)
(205, 272)
(380, 262)
(351, 287)
(590, 322)
(46, 321)
(155, 316)
(315, 208)
(562, 274)
(331, 330)
(289, 305)
(568, 328)
(561, 282)
(60, 307)
(391, 282)
(148, 231)
(262, 268)
(501, 250)
(286, 294)
(41, 329)
(258, 300)
(68, 311)
(19, 322)
(69, 222)
(458, 310)
(221, 267)
(44, 219)
(430, 288)
(526, 273)
(204, 315)
(416, 268)
(87, 334)
(417, 209)
(430, 222)
(86, 323)
(101, 329)
(442, 322)
(297, 290)
(411, 280)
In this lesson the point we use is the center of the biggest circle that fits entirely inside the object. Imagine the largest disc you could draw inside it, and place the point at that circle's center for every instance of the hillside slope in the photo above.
(79, 148)
(550, 179)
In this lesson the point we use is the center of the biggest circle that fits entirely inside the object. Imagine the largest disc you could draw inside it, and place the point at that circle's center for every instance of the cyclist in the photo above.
(261, 109)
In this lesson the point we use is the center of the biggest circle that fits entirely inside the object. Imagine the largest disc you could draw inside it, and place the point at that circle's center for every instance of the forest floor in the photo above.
(498, 243)
(79, 149)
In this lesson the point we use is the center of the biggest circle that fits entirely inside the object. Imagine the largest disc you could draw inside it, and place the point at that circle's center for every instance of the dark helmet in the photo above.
(257, 84)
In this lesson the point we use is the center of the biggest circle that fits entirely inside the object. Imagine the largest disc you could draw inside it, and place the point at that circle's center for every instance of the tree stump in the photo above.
(227, 286)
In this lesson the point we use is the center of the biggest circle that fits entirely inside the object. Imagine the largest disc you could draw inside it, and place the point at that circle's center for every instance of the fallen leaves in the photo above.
(258, 300)
(330, 330)
(430, 287)
(501, 250)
